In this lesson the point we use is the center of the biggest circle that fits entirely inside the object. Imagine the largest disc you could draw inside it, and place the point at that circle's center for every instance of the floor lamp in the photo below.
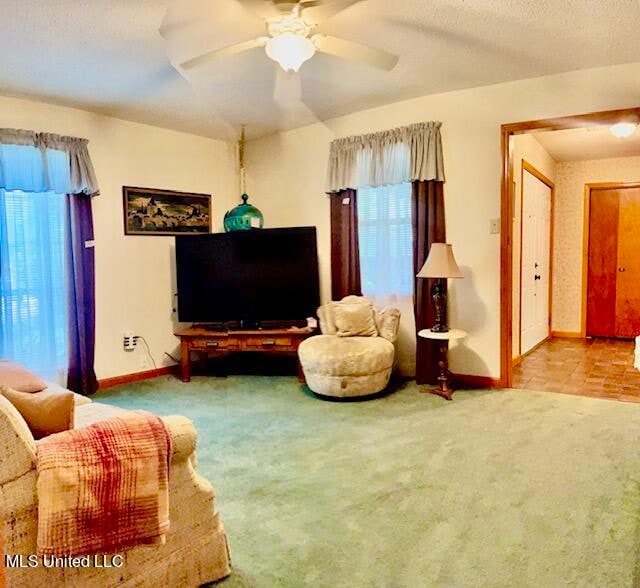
(441, 265)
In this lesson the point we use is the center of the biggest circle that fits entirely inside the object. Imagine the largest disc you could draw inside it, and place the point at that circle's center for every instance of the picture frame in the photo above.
(151, 211)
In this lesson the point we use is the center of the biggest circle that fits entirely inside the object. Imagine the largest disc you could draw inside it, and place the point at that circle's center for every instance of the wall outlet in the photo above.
(129, 340)
(494, 226)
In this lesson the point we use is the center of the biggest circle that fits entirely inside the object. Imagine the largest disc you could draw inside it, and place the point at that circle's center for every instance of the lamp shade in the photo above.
(440, 263)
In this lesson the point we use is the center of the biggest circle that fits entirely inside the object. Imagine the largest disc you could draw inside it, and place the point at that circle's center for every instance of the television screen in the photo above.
(251, 276)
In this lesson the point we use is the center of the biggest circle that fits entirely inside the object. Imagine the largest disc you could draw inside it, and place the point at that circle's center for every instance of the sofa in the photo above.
(343, 365)
(195, 551)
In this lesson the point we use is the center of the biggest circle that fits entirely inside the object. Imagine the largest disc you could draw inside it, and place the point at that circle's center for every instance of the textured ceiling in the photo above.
(588, 143)
(107, 56)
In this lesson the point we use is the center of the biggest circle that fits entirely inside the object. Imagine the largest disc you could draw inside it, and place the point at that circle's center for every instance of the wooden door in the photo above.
(535, 261)
(613, 276)
(628, 274)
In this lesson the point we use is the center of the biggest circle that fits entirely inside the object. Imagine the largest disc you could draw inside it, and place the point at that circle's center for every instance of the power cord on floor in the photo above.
(153, 361)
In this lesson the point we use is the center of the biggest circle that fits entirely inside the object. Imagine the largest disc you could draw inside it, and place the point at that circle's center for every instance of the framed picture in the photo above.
(164, 212)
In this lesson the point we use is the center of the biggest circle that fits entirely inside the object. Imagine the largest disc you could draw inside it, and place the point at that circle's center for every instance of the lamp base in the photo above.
(439, 296)
(439, 329)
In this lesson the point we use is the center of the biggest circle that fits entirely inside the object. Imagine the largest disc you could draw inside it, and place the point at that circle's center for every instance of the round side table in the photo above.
(444, 389)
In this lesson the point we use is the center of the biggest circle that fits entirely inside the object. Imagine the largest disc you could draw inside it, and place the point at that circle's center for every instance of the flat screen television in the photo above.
(248, 277)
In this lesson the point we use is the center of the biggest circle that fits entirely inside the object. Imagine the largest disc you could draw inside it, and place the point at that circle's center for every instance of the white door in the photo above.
(536, 261)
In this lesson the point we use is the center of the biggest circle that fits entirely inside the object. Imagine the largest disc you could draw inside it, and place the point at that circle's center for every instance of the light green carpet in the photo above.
(502, 488)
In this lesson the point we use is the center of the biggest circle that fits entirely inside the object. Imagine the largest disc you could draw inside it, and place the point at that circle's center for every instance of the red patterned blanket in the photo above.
(104, 488)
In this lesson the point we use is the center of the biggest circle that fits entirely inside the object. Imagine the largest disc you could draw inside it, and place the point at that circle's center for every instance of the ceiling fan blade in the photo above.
(288, 96)
(287, 89)
(355, 52)
(263, 8)
(224, 52)
(317, 11)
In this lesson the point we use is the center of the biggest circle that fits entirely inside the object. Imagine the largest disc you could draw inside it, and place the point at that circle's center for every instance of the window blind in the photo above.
(385, 237)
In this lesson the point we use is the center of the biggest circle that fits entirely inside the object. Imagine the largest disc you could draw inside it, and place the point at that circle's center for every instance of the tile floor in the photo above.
(587, 367)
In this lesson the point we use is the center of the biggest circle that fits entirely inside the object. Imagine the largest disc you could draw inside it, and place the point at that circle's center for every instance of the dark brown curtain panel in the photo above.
(345, 256)
(428, 227)
(81, 295)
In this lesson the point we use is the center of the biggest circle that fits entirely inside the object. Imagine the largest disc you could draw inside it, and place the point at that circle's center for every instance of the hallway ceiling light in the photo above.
(622, 130)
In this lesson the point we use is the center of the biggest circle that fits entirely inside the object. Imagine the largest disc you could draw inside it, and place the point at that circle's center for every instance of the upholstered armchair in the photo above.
(195, 551)
(355, 354)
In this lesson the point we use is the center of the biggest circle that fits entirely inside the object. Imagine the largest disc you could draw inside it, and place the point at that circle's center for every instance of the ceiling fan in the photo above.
(290, 42)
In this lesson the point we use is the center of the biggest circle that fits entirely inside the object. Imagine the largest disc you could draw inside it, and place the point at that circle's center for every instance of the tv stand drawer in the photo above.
(262, 343)
(221, 344)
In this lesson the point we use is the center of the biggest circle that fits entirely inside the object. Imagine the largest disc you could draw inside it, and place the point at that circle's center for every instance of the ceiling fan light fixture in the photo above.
(622, 130)
(290, 50)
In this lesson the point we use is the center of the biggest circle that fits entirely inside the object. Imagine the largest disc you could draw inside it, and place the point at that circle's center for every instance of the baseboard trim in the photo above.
(517, 360)
(468, 379)
(137, 376)
(477, 381)
(567, 335)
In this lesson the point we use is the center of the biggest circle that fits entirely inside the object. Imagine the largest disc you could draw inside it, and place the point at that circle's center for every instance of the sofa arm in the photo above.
(17, 446)
(183, 436)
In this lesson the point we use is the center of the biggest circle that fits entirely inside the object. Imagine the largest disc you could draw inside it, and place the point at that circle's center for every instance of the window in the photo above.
(33, 307)
(386, 240)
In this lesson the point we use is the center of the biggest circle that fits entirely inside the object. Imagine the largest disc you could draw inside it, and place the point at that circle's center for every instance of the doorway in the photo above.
(508, 237)
(612, 227)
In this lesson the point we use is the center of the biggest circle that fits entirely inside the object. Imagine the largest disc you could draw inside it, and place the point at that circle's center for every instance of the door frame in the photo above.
(588, 189)
(528, 167)
(608, 117)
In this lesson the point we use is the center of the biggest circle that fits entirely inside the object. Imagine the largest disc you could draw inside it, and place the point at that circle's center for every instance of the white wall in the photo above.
(571, 178)
(134, 275)
(525, 147)
(286, 179)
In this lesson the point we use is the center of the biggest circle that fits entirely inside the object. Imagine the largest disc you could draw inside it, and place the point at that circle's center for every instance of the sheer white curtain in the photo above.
(33, 226)
(386, 165)
(33, 300)
(22, 168)
(386, 258)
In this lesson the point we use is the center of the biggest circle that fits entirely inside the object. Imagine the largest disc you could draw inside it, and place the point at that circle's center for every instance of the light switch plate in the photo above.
(494, 226)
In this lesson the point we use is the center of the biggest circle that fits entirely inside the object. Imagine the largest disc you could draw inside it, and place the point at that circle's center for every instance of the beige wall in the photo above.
(571, 178)
(134, 275)
(286, 179)
(524, 147)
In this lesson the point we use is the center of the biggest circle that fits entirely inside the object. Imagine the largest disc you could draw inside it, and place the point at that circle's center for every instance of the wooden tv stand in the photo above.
(221, 343)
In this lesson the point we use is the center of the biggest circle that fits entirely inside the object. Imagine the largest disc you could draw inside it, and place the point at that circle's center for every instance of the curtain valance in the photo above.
(33, 162)
(398, 155)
